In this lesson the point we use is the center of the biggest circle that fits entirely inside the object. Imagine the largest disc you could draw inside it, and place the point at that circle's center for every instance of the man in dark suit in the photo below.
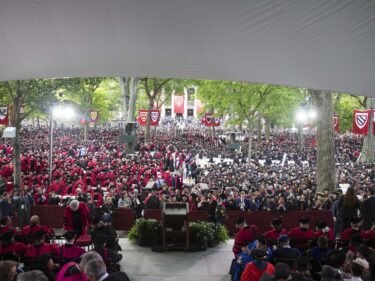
(367, 210)
(96, 271)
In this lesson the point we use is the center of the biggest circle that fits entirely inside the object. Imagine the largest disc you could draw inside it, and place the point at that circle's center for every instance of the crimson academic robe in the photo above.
(243, 237)
(68, 217)
(16, 247)
(345, 235)
(33, 251)
(298, 234)
(369, 235)
(330, 235)
(71, 252)
(30, 230)
(275, 235)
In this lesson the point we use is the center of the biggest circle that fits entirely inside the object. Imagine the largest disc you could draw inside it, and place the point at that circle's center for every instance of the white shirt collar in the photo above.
(103, 277)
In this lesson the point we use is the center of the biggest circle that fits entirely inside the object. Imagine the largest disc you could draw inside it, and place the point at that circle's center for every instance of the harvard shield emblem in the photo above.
(143, 116)
(179, 100)
(154, 116)
(94, 115)
(208, 119)
(361, 119)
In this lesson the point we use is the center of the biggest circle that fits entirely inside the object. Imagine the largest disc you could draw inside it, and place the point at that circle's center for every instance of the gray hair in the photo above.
(33, 275)
(95, 268)
(74, 205)
(89, 256)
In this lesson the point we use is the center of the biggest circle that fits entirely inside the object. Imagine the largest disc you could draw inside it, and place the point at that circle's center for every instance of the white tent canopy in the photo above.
(319, 44)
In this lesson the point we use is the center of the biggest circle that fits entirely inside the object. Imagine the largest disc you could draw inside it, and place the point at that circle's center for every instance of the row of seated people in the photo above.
(91, 266)
(247, 264)
(301, 236)
(35, 240)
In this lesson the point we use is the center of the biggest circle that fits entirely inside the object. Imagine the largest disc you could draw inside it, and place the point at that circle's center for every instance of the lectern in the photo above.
(175, 226)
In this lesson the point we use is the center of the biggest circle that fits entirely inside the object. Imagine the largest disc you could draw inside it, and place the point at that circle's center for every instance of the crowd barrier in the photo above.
(123, 219)
(262, 219)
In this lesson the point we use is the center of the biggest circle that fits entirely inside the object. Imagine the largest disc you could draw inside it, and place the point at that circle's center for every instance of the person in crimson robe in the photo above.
(69, 251)
(34, 226)
(254, 270)
(76, 217)
(276, 231)
(302, 232)
(8, 245)
(6, 225)
(324, 230)
(370, 234)
(38, 248)
(245, 235)
(40, 198)
(353, 229)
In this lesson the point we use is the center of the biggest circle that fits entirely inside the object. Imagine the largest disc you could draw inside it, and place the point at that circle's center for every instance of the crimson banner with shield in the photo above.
(179, 104)
(94, 116)
(142, 117)
(4, 120)
(361, 122)
(208, 120)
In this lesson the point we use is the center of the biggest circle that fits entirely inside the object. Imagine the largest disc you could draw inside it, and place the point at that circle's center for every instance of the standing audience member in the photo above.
(349, 206)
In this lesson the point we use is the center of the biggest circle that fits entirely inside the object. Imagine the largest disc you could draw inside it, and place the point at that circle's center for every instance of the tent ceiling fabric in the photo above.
(319, 44)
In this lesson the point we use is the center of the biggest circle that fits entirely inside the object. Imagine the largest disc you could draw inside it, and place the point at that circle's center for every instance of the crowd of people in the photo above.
(187, 164)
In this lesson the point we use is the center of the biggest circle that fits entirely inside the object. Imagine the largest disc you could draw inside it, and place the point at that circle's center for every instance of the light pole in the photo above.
(304, 115)
(58, 111)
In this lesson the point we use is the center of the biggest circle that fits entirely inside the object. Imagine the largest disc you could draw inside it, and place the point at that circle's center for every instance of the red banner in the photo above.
(4, 115)
(361, 122)
(216, 122)
(94, 116)
(179, 104)
(198, 106)
(142, 117)
(336, 123)
(208, 120)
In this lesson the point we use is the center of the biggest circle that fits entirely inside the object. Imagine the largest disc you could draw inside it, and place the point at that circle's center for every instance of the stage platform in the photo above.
(141, 264)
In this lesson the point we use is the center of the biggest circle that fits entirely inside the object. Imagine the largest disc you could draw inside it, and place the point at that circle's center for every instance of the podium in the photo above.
(175, 226)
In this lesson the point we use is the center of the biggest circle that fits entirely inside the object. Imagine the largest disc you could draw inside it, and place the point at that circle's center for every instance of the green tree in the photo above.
(26, 97)
(153, 89)
(85, 93)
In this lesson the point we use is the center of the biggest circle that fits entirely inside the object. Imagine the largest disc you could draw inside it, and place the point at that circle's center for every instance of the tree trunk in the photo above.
(326, 170)
(250, 143)
(300, 137)
(259, 130)
(148, 124)
(267, 128)
(133, 99)
(17, 157)
(124, 86)
(368, 147)
(86, 128)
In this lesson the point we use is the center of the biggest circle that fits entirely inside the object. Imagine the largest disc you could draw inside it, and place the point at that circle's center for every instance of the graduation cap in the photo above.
(283, 238)
(304, 220)
(355, 220)
(39, 234)
(258, 253)
(276, 222)
(7, 236)
(69, 235)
